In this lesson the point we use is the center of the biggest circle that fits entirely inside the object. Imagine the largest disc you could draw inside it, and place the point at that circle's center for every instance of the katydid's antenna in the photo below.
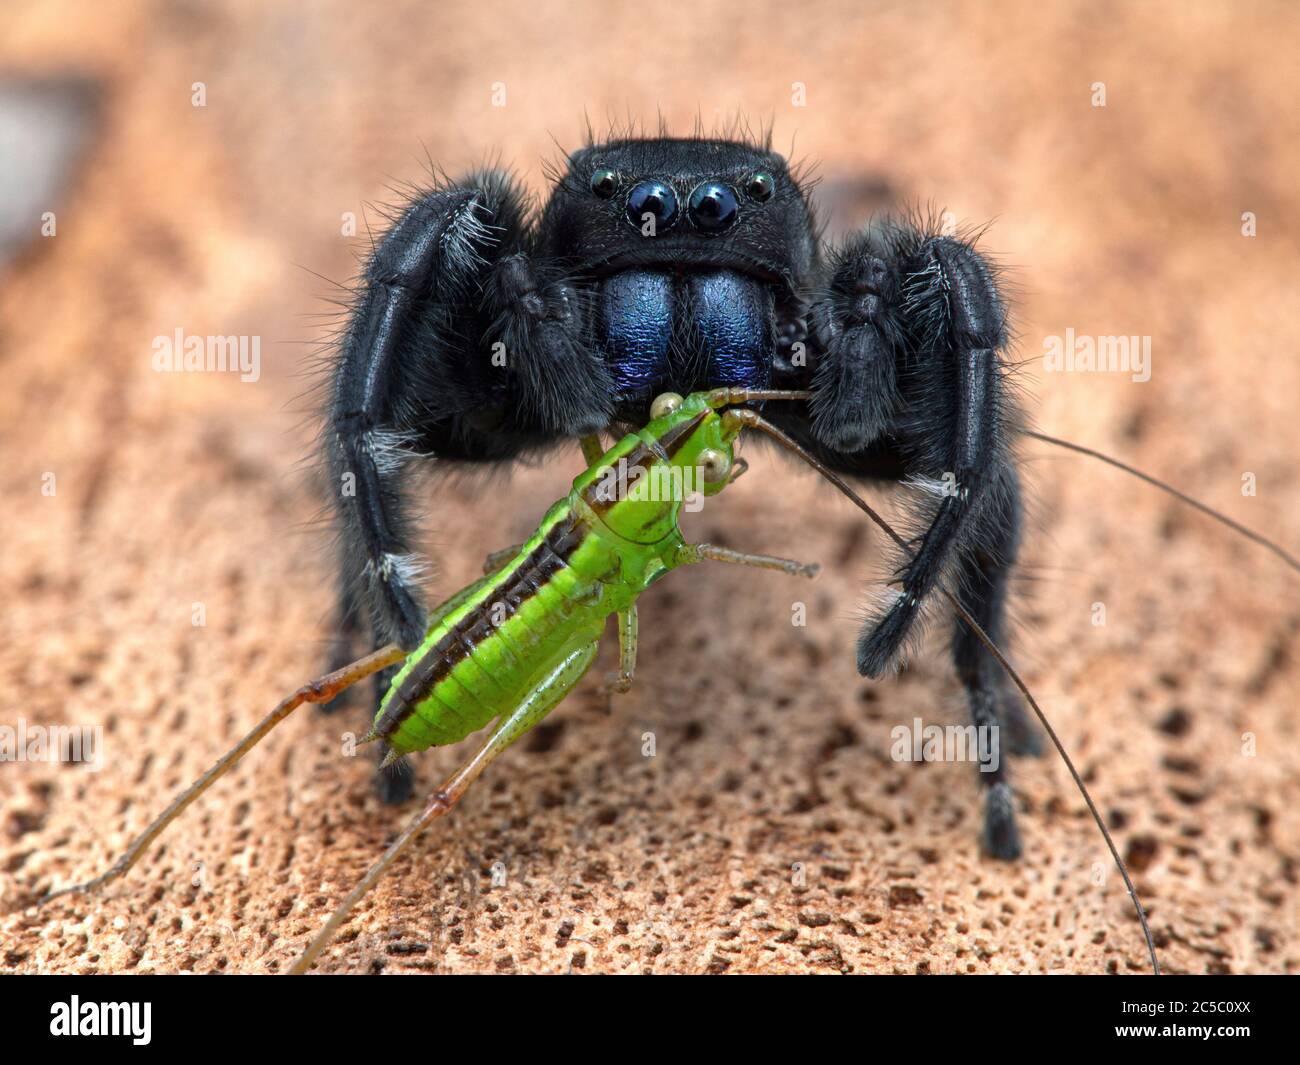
(1178, 494)
(755, 421)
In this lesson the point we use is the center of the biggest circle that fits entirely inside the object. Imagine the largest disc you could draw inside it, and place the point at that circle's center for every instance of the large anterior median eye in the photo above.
(652, 204)
(713, 207)
(714, 465)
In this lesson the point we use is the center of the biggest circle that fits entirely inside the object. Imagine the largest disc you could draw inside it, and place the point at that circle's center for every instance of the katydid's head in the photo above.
(685, 452)
(698, 433)
(688, 435)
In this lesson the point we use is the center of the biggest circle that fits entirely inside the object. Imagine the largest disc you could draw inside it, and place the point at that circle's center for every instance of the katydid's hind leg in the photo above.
(691, 553)
(535, 706)
(349, 634)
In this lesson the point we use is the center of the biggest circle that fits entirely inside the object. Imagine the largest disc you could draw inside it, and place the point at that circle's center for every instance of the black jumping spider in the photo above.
(481, 332)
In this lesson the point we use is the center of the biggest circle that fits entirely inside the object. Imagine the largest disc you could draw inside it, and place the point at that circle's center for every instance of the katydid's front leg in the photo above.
(621, 682)
(688, 554)
(535, 706)
(592, 448)
(497, 559)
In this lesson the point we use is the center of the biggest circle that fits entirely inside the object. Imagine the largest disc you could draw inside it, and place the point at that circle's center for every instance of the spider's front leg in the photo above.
(948, 422)
(462, 348)
(858, 327)
(910, 332)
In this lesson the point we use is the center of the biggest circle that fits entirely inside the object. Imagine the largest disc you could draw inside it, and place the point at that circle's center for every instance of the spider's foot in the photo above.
(1022, 733)
(581, 414)
(880, 648)
(395, 783)
(1001, 836)
(841, 426)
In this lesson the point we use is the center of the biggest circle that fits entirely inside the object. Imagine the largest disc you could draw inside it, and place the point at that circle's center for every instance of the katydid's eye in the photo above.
(761, 186)
(604, 183)
(665, 405)
(714, 465)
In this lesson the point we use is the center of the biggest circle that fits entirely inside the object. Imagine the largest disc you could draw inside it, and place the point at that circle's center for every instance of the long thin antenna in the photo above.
(1178, 494)
(754, 420)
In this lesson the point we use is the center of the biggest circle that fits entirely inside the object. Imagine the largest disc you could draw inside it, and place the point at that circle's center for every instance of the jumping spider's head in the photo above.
(684, 203)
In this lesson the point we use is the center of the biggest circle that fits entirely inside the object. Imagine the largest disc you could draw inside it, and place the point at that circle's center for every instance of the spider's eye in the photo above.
(761, 186)
(714, 465)
(713, 207)
(604, 183)
(665, 405)
(655, 199)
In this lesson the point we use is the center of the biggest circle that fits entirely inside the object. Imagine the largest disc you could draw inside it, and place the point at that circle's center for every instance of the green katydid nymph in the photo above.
(513, 644)
(508, 648)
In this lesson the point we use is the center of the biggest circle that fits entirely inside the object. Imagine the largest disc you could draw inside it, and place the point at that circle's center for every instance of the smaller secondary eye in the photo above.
(714, 465)
(604, 183)
(761, 186)
(665, 405)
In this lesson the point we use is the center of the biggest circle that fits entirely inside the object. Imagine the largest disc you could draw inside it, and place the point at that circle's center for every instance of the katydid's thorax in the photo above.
(634, 495)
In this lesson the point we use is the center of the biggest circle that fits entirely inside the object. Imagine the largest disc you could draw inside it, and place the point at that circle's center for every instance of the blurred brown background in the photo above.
(181, 489)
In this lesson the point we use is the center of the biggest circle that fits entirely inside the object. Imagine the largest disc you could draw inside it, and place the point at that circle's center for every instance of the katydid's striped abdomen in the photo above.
(483, 657)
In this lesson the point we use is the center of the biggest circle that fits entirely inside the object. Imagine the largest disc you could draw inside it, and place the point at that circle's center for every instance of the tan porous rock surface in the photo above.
(771, 831)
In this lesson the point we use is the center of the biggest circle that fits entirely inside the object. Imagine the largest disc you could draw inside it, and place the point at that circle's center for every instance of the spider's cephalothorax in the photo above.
(480, 333)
